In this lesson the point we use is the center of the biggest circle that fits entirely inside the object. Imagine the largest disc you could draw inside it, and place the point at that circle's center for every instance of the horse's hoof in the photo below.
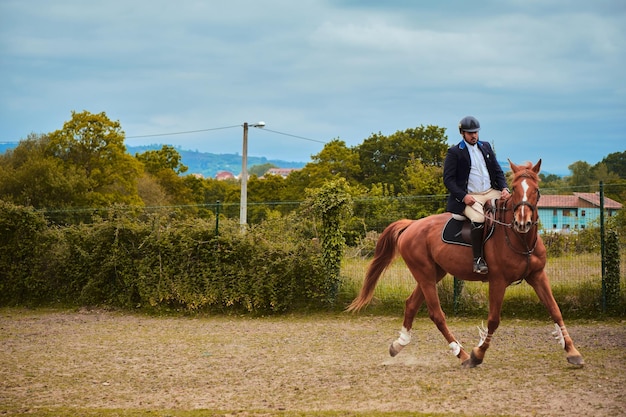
(576, 360)
(472, 362)
(395, 348)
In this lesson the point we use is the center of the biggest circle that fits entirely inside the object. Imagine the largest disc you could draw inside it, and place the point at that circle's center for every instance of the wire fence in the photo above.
(575, 265)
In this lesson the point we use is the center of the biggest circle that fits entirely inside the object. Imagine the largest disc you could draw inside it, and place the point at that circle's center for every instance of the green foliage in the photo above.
(583, 241)
(94, 145)
(383, 159)
(29, 176)
(23, 244)
(85, 164)
(261, 169)
(616, 163)
(166, 158)
(332, 203)
(132, 259)
(164, 167)
(612, 272)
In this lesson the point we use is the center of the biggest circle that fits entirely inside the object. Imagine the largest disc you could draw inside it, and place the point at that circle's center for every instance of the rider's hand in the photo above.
(469, 200)
(506, 193)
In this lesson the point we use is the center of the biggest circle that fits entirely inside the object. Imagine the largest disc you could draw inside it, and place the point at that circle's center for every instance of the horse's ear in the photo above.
(537, 167)
(512, 165)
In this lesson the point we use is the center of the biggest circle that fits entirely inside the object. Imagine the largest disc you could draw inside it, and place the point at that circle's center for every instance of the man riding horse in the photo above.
(473, 176)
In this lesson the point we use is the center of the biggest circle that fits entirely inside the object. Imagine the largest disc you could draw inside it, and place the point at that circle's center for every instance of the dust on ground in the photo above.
(99, 359)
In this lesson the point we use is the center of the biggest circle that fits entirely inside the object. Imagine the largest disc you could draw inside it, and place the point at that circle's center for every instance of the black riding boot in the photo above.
(480, 266)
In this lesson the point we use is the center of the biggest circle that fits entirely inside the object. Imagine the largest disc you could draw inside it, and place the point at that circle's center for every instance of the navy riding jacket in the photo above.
(456, 170)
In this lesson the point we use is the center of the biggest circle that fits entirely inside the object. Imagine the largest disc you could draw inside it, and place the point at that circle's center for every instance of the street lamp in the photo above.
(243, 207)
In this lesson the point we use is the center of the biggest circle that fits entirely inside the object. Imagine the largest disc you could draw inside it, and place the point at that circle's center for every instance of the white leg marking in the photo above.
(405, 337)
(484, 335)
(559, 334)
(455, 348)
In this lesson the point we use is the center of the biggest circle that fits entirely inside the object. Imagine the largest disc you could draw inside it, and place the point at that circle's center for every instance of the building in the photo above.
(224, 175)
(567, 213)
(283, 172)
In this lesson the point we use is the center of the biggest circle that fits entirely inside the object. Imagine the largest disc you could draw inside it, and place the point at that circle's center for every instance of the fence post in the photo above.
(458, 287)
(602, 247)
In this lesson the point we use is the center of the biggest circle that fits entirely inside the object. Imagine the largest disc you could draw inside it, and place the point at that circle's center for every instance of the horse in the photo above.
(514, 251)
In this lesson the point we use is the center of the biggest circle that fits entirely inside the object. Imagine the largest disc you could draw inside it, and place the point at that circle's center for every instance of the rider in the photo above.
(472, 175)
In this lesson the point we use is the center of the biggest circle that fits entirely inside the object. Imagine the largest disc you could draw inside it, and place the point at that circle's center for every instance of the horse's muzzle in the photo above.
(523, 214)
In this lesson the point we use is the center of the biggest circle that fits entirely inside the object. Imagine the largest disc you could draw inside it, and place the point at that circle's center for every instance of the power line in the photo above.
(263, 129)
(181, 133)
(221, 128)
(293, 136)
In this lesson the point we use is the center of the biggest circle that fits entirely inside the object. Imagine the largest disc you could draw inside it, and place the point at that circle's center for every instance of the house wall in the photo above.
(563, 220)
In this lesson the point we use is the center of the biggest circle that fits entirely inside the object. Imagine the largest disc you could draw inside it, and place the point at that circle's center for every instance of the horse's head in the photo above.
(525, 195)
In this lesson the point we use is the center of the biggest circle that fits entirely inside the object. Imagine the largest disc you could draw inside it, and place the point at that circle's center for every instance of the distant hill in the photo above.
(5, 146)
(209, 164)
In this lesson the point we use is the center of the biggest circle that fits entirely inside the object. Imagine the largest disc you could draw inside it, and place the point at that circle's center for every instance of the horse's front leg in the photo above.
(540, 284)
(412, 305)
(496, 296)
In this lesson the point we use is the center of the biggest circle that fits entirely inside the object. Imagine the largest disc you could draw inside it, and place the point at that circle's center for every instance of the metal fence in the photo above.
(576, 270)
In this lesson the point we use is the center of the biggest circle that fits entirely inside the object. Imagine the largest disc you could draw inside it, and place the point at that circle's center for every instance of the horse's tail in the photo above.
(384, 254)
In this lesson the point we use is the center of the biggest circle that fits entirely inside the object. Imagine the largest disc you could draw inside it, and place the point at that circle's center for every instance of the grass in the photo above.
(576, 282)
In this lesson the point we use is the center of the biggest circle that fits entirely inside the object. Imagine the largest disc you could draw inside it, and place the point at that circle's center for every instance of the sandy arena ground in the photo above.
(97, 359)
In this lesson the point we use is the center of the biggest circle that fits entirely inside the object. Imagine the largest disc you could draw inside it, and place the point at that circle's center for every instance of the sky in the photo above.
(545, 78)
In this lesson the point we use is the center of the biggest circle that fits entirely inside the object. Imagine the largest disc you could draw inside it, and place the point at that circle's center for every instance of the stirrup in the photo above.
(480, 266)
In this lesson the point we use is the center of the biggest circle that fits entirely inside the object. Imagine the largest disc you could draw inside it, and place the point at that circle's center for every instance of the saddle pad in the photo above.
(451, 232)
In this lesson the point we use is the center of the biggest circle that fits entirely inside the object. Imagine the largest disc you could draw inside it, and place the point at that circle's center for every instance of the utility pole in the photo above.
(243, 205)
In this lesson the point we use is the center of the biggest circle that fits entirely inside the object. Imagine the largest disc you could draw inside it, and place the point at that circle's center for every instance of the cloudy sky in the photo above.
(544, 77)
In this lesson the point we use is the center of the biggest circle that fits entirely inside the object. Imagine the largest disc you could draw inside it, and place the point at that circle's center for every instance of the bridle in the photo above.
(533, 208)
(497, 213)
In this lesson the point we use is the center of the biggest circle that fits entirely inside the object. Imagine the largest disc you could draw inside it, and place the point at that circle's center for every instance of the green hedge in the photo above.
(160, 261)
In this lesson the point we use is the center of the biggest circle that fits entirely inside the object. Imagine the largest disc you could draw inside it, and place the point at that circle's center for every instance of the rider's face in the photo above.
(470, 137)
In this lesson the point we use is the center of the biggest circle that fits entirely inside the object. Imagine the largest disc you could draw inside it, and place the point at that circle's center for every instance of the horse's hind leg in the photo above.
(427, 291)
(541, 286)
(412, 305)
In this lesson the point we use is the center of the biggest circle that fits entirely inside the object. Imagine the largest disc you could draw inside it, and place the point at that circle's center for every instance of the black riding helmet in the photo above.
(469, 124)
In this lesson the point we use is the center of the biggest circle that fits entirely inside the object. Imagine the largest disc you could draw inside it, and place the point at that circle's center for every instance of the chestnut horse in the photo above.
(514, 252)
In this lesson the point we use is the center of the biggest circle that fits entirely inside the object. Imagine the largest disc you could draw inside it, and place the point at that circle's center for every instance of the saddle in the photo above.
(457, 232)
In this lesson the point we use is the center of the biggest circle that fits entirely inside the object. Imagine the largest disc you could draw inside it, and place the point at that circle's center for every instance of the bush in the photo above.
(161, 261)
(612, 273)
(22, 251)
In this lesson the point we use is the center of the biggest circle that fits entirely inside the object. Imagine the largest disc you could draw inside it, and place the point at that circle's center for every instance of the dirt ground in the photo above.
(96, 359)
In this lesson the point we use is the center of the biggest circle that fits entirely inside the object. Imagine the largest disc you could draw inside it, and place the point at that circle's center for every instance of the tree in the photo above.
(29, 177)
(384, 159)
(616, 163)
(422, 179)
(165, 166)
(94, 146)
(336, 160)
(600, 172)
(551, 184)
(260, 170)
(581, 176)
(151, 192)
(166, 158)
